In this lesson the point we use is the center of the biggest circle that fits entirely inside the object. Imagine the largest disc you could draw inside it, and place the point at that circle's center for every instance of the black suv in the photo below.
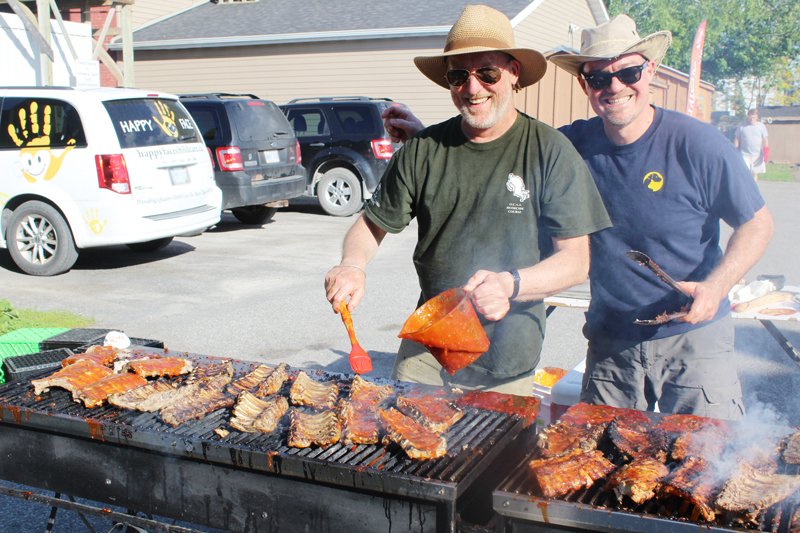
(345, 148)
(255, 154)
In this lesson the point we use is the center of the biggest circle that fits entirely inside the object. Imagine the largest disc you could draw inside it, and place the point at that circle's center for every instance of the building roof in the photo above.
(284, 21)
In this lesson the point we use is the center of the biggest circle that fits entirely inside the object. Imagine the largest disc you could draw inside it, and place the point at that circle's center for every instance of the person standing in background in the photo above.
(750, 136)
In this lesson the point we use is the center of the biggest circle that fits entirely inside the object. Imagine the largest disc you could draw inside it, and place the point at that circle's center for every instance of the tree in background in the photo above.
(754, 40)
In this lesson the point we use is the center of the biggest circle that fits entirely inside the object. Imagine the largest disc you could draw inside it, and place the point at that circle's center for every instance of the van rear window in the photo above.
(43, 122)
(150, 122)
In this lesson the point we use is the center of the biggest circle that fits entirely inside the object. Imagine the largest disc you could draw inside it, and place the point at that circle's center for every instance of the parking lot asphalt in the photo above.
(256, 293)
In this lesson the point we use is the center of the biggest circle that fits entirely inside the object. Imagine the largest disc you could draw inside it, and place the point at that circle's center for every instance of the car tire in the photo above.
(339, 193)
(254, 214)
(39, 240)
(150, 246)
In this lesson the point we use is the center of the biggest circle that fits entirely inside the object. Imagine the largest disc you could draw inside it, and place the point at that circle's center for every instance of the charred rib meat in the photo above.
(321, 428)
(569, 472)
(359, 413)
(583, 413)
(634, 438)
(639, 480)
(367, 393)
(192, 406)
(751, 491)
(418, 441)
(74, 376)
(161, 367)
(434, 413)
(272, 379)
(252, 414)
(562, 437)
(306, 391)
(102, 355)
(791, 449)
(140, 397)
(694, 480)
(96, 393)
(707, 442)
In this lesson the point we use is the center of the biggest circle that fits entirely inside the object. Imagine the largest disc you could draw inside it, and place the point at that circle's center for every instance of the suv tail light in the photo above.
(230, 158)
(211, 156)
(382, 148)
(297, 154)
(112, 173)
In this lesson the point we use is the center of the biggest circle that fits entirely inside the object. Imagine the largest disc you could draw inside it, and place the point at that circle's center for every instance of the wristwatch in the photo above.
(515, 274)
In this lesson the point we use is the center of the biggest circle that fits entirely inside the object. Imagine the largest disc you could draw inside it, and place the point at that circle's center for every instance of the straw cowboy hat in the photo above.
(482, 29)
(611, 40)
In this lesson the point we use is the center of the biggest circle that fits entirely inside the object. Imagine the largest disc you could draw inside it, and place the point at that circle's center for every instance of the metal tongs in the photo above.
(643, 259)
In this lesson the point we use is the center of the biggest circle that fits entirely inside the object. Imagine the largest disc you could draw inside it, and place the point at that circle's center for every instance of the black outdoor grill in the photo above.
(522, 509)
(247, 482)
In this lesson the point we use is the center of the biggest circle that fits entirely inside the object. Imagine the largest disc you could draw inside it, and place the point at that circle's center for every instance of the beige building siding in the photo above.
(548, 26)
(145, 11)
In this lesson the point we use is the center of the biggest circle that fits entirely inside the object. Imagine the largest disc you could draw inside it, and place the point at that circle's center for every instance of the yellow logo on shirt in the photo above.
(654, 181)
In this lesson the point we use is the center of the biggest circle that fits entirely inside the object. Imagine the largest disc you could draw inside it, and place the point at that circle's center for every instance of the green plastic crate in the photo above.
(24, 341)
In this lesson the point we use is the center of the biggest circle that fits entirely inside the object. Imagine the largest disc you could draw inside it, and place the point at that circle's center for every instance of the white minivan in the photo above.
(97, 167)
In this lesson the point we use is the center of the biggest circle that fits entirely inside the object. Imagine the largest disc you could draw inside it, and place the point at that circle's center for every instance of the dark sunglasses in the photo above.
(486, 75)
(600, 80)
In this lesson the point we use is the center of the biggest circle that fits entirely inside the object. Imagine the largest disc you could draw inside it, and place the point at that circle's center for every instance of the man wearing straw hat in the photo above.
(667, 180)
(485, 187)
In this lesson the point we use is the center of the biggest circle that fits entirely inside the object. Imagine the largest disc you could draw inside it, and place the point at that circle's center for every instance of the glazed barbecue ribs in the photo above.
(418, 441)
(751, 491)
(569, 472)
(639, 480)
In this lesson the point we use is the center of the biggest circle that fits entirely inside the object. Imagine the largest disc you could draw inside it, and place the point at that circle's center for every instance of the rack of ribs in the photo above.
(639, 480)
(751, 491)
(102, 355)
(581, 414)
(252, 414)
(161, 367)
(274, 381)
(794, 521)
(707, 442)
(562, 437)
(558, 476)
(695, 480)
(271, 377)
(74, 376)
(306, 391)
(95, 394)
(203, 395)
(148, 397)
(434, 413)
(359, 412)
(321, 428)
(634, 438)
(791, 448)
(416, 440)
(220, 373)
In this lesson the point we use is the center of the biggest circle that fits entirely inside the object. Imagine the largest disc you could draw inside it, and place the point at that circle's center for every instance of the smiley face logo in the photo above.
(654, 181)
(32, 135)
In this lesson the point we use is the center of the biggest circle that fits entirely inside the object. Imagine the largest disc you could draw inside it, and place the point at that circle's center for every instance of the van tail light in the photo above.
(112, 173)
(211, 157)
(230, 158)
(296, 155)
(382, 148)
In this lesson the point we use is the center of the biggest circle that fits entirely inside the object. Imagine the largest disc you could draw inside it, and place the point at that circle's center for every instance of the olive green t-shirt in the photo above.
(489, 206)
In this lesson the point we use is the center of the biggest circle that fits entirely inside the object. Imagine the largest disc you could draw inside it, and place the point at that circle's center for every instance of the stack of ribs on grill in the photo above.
(304, 411)
(683, 456)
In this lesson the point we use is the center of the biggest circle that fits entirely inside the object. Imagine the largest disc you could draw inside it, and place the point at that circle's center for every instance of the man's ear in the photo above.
(582, 82)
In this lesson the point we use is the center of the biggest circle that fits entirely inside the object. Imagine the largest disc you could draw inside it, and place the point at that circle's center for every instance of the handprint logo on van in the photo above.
(37, 159)
(93, 221)
(167, 121)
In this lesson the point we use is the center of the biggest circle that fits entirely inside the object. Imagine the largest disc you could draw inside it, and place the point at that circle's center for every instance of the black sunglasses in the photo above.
(486, 75)
(600, 80)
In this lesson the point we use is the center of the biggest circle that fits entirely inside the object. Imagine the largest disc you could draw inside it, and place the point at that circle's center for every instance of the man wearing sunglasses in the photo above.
(666, 180)
(504, 205)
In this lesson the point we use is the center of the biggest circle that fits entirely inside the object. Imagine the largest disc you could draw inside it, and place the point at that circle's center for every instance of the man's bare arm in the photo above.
(567, 267)
(745, 247)
(349, 278)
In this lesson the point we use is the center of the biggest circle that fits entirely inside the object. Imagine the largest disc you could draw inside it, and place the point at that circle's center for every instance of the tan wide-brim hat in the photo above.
(482, 29)
(615, 38)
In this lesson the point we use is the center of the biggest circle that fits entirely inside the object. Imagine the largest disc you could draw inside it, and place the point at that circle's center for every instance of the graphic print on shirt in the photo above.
(517, 187)
(653, 181)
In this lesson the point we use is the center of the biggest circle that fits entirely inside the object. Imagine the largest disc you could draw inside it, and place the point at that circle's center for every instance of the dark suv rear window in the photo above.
(150, 122)
(354, 120)
(43, 122)
(258, 120)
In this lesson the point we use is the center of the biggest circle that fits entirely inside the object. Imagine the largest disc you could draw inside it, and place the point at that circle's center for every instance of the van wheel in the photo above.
(40, 241)
(253, 214)
(149, 246)
(339, 192)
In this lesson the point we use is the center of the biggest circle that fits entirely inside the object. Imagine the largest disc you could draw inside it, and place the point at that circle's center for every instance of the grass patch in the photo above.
(777, 173)
(12, 319)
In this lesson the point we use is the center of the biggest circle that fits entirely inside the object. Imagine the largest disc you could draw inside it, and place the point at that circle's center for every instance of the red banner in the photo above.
(694, 71)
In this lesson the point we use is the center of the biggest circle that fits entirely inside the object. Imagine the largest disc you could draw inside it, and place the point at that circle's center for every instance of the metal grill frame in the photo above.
(108, 454)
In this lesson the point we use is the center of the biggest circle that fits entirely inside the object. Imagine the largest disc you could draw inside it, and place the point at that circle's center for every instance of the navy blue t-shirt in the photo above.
(666, 194)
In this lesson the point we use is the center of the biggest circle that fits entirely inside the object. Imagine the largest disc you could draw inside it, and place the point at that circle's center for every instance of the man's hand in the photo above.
(706, 301)
(343, 281)
(490, 292)
(401, 124)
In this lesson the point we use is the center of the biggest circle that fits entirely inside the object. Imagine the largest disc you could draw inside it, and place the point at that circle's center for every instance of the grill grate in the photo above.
(593, 509)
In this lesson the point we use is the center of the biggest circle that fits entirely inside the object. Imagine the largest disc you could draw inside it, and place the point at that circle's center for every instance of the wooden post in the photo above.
(45, 63)
(127, 45)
